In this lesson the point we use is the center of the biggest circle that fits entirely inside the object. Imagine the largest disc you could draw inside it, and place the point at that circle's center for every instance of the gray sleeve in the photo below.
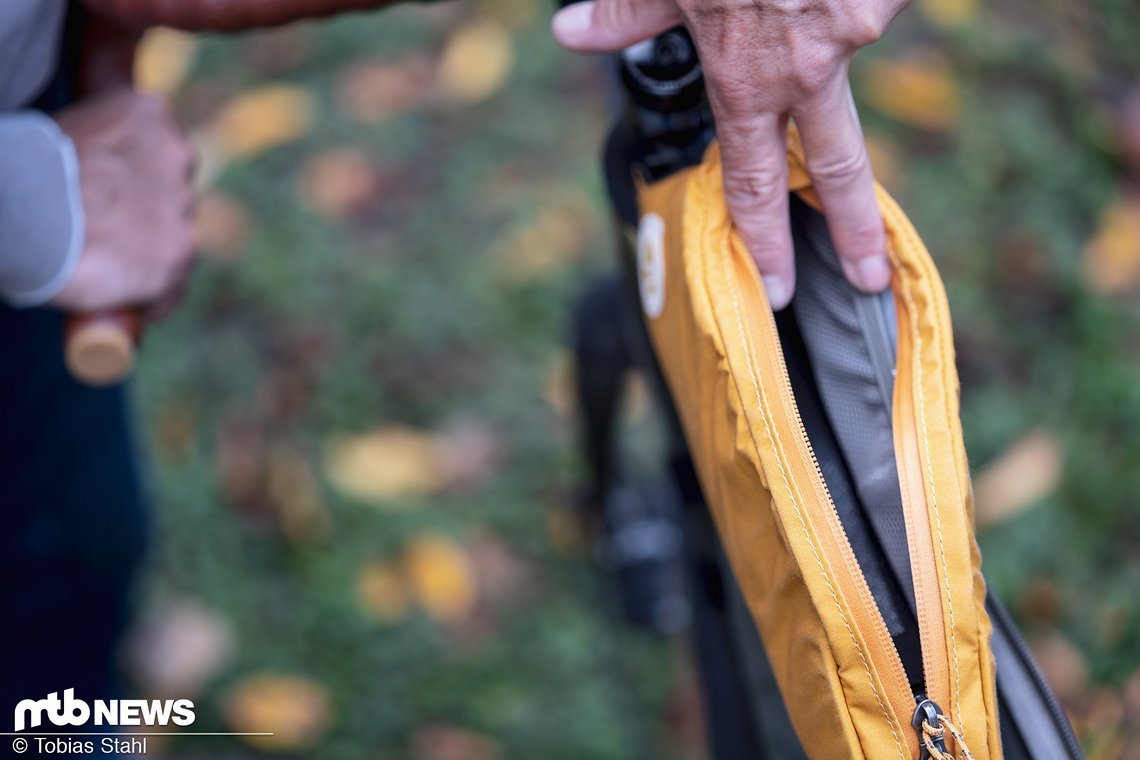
(41, 210)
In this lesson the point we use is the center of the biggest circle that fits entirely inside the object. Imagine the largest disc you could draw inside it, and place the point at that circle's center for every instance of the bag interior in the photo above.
(839, 346)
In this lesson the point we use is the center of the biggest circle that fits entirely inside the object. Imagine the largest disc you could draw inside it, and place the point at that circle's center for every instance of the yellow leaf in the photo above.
(388, 464)
(261, 119)
(441, 577)
(1112, 257)
(295, 710)
(918, 91)
(476, 61)
(380, 591)
(1020, 478)
(163, 59)
(950, 13)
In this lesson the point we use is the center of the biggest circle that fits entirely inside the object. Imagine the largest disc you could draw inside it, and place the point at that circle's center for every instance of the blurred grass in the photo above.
(436, 298)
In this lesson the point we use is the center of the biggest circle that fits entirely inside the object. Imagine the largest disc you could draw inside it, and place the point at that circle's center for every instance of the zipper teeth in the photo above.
(892, 651)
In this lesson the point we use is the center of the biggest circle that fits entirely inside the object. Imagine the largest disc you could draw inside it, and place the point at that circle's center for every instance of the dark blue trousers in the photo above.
(72, 520)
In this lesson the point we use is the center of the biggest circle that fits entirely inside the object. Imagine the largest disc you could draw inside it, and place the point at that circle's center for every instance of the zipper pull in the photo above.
(927, 721)
(932, 726)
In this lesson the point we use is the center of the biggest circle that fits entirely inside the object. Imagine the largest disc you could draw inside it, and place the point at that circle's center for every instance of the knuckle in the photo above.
(861, 240)
(865, 27)
(769, 259)
(839, 169)
(762, 187)
(811, 76)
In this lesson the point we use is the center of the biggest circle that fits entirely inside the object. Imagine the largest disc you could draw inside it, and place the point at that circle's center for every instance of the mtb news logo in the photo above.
(70, 711)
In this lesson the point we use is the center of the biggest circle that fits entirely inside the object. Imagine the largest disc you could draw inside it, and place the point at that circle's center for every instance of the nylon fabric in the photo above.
(720, 351)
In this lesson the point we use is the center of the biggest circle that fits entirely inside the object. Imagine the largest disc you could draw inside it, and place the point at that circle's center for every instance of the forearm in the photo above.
(41, 211)
(221, 15)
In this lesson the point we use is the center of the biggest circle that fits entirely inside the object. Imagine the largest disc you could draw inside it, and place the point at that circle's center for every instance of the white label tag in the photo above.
(651, 264)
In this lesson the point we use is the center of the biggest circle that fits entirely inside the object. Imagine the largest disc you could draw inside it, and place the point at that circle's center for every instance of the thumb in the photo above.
(604, 26)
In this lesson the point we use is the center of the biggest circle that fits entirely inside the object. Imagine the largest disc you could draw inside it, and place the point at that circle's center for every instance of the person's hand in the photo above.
(134, 177)
(765, 61)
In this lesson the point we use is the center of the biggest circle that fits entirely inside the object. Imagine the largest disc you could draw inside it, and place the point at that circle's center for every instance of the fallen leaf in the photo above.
(374, 90)
(440, 576)
(396, 461)
(222, 224)
(919, 91)
(260, 119)
(339, 183)
(295, 710)
(1112, 257)
(380, 591)
(178, 647)
(163, 59)
(950, 13)
(476, 61)
(385, 465)
(1022, 476)
(443, 742)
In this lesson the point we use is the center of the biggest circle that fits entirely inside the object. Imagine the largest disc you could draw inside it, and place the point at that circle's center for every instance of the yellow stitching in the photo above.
(916, 334)
(762, 400)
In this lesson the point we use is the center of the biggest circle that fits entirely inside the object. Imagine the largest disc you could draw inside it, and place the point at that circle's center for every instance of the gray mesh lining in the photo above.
(850, 339)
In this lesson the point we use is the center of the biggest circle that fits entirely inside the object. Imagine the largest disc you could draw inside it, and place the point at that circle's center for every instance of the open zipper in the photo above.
(907, 705)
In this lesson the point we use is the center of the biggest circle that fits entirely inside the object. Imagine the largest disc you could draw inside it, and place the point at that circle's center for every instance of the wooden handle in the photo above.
(99, 349)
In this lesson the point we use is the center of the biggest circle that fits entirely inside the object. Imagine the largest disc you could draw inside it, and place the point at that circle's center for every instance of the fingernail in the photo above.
(777, 290)
(572, 21)
(871, 274)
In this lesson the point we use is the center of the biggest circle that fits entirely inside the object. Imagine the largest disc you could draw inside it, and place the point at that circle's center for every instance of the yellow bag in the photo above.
(838, 668)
